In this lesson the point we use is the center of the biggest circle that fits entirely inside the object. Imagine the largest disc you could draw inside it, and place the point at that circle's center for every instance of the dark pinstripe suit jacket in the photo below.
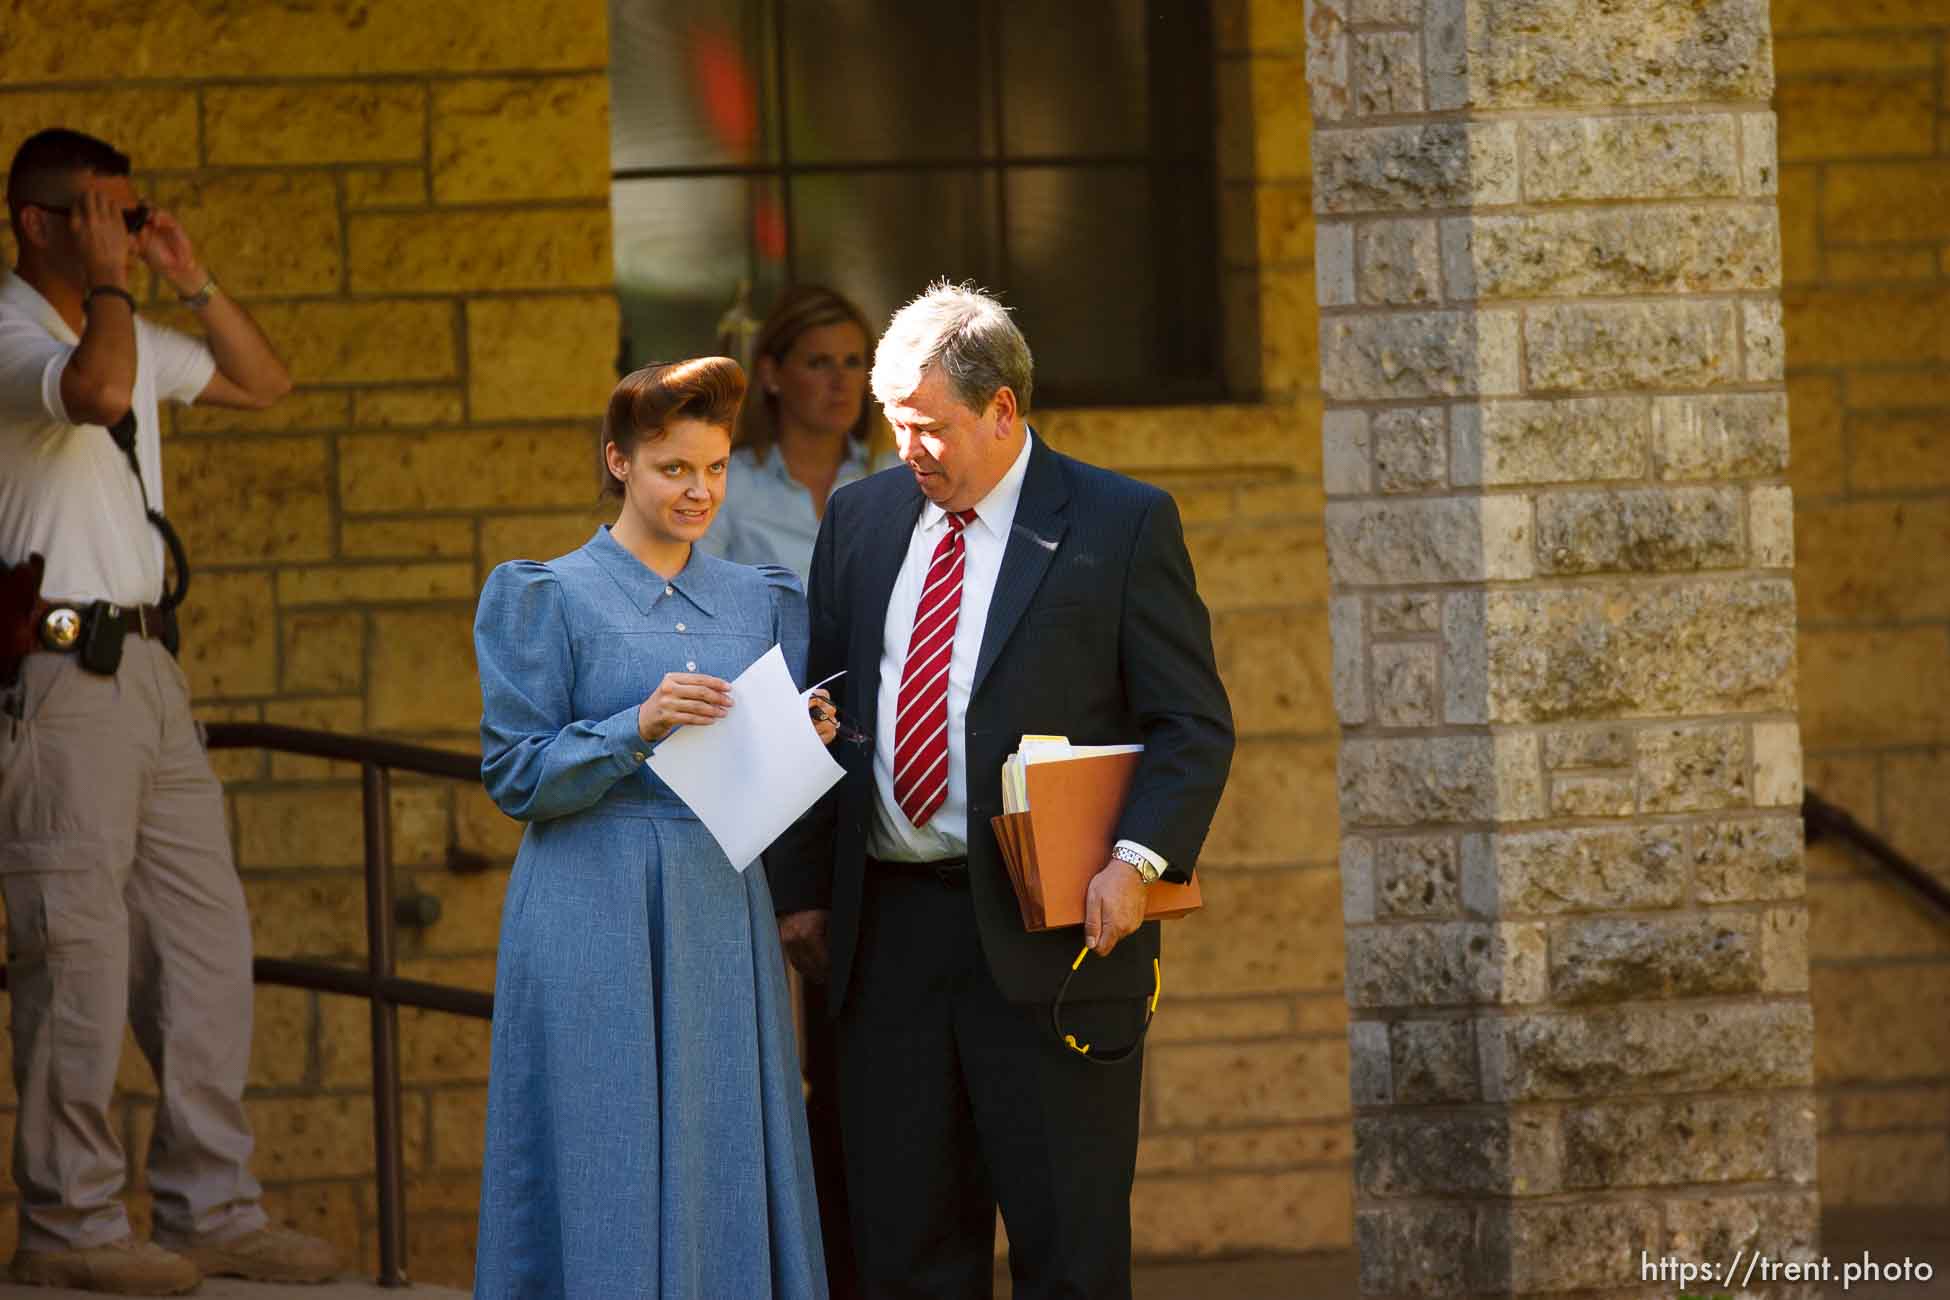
(1095, 631)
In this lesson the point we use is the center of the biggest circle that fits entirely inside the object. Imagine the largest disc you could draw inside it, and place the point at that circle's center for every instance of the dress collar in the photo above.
(703, 581)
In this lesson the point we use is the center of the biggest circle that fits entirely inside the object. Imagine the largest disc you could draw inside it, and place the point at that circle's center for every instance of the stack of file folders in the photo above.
(1061, 803)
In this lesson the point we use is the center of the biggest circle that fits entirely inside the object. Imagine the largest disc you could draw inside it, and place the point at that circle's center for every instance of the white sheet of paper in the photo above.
(750, 774)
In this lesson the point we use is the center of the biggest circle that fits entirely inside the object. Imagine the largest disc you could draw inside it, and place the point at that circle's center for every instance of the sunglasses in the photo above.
(851, 734)
(134, 218)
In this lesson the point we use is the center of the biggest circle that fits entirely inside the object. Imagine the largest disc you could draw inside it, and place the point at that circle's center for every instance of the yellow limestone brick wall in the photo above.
(413, 199)
(1864, 103)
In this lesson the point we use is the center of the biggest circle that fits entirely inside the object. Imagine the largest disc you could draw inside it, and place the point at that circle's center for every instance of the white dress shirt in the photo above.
(66, 490)
(891, 838)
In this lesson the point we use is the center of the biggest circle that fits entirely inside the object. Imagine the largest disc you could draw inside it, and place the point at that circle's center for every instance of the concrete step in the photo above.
(224, 1288)
(1887, 1236)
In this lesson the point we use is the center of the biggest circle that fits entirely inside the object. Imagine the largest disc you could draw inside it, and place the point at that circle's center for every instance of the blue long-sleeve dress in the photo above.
(646, 1131)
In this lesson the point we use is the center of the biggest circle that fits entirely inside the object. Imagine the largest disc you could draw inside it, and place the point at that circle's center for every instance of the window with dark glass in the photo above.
(1059, 152)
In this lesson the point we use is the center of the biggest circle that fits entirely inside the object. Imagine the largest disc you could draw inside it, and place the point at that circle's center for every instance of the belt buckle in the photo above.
(141, 613)
(61, 628)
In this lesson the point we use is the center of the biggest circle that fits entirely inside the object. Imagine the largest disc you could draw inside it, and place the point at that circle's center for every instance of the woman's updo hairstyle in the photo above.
(709, 389)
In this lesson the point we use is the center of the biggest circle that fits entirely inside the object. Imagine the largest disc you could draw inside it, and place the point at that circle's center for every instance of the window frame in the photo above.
(1189, 322)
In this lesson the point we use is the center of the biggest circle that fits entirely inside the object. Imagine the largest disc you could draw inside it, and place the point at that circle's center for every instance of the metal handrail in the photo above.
(377, 983)
(346, 749)
(382, 988)
(1820, 819)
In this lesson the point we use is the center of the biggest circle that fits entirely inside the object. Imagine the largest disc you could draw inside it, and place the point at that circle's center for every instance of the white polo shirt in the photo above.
(66, 491)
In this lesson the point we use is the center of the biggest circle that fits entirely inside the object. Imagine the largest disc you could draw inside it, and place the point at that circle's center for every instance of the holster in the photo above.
(20, 591)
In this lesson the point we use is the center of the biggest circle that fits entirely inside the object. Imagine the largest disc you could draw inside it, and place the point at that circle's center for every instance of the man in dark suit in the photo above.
(986, 589)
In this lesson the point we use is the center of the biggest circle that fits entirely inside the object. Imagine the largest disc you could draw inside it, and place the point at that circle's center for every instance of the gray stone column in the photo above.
(1563, 621)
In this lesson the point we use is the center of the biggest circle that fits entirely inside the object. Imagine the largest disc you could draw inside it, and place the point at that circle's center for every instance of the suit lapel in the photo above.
(1041, 520)
(881, 553)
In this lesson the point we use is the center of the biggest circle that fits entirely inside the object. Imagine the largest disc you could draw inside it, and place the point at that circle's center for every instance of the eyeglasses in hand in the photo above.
(851, 734)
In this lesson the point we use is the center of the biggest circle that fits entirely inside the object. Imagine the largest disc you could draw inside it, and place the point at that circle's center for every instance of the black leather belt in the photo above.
(947, 871)
(59, 622)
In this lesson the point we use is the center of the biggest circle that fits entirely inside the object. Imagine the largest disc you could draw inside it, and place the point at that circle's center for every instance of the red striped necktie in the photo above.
(921, 719)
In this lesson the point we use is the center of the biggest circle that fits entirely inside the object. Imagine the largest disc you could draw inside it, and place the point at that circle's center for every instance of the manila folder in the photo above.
(1074, 805)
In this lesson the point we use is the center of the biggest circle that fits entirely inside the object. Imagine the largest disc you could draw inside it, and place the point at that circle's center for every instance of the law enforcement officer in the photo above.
(122, 901)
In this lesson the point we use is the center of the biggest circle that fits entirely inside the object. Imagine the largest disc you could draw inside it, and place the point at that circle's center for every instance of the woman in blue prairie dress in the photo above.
(645, 1134)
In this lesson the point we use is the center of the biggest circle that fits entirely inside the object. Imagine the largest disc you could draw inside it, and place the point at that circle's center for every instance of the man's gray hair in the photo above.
(967, 333)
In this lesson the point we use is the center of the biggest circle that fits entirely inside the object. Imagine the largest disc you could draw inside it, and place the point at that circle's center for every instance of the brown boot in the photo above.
(270, 1254)
(123, 1267)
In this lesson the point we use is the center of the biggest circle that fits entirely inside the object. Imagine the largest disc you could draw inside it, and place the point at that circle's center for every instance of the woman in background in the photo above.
(645, 1129)
(805, 435)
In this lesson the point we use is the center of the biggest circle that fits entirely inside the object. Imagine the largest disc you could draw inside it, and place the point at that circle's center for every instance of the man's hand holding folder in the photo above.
(1113, 907)
(1061, 804)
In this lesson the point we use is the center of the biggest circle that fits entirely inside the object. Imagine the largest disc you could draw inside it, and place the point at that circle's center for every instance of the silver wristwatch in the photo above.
(1146, 869)
(201, 298)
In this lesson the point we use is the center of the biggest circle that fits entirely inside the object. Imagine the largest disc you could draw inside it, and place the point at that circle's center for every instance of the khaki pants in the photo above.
(123, 906)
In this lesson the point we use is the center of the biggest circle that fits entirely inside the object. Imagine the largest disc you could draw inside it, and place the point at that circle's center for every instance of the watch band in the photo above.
(201, 298)
(1147, 871)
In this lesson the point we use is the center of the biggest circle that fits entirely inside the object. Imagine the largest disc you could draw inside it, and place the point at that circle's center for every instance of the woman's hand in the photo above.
(825, 718)
(682, 700)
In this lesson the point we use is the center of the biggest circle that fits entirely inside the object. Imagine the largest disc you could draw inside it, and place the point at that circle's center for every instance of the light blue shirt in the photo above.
(767, 516)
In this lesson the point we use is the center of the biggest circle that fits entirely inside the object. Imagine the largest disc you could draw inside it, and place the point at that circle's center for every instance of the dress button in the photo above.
(691, 667)
(670, 591)
(639, 756)
(680, 627)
